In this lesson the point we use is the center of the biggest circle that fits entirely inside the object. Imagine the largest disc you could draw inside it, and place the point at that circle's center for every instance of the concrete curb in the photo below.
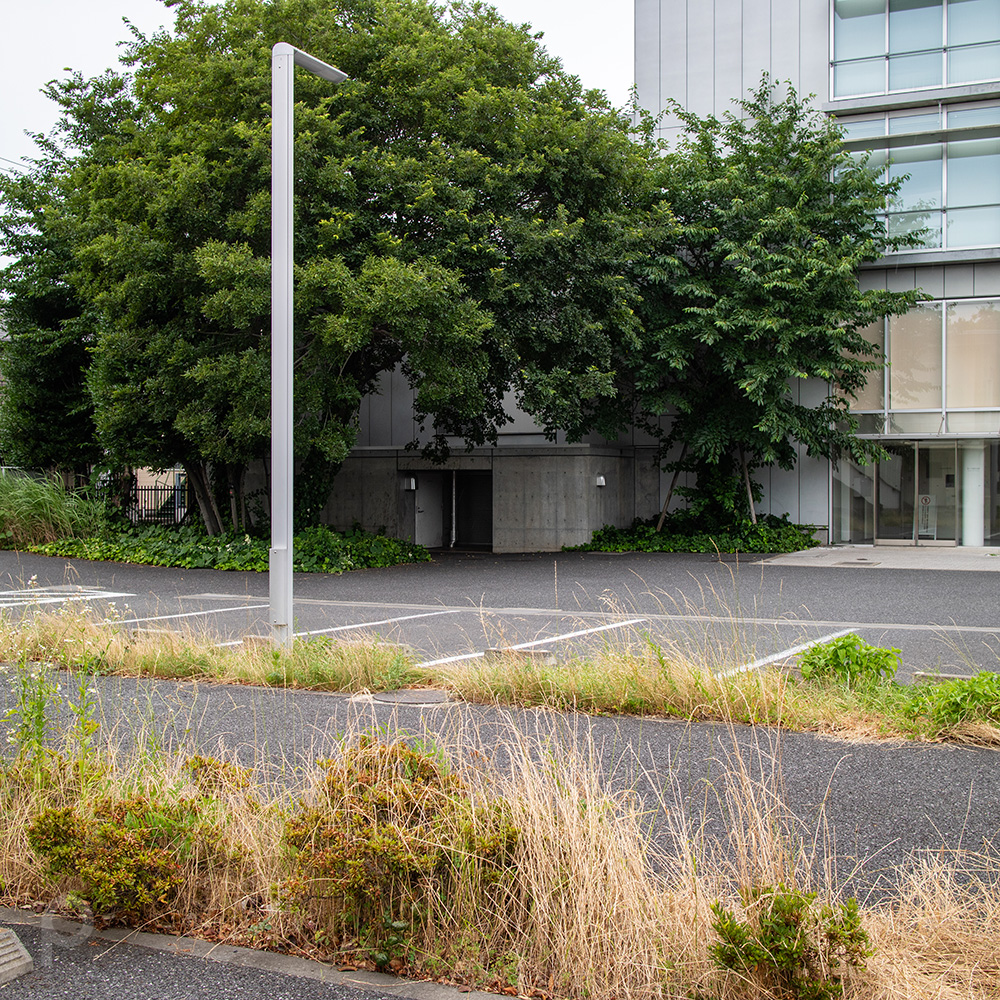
(265, 961)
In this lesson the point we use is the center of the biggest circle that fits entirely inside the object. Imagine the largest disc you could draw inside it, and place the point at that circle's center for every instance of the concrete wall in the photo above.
(542, 499)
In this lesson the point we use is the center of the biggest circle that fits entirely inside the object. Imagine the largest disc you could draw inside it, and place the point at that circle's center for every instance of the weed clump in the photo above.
(387, 842)
(787, 945)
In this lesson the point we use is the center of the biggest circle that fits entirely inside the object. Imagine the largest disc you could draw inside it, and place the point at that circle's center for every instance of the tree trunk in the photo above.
(198, 478)
(746, 479)
(670, 492)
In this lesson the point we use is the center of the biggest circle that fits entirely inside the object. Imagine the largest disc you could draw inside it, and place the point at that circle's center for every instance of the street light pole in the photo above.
(284, 59)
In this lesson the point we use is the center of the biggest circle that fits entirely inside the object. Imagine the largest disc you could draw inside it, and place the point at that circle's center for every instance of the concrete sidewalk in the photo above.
(918, 557)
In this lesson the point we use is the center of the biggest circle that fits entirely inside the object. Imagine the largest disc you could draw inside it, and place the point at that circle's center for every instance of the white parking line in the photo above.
(186, 614)
(47, 597)
(784, 654)
(536, 642)
(359, 625)
(384, 621)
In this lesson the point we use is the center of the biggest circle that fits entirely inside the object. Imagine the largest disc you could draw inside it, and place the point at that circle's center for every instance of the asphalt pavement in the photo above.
(939, 606)
(871, 806)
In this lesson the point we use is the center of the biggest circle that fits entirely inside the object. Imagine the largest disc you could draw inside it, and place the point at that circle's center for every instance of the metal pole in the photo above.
(284, 59)
(282, 472)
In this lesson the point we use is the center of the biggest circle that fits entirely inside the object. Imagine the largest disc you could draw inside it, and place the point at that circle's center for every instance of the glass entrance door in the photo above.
(916, 494)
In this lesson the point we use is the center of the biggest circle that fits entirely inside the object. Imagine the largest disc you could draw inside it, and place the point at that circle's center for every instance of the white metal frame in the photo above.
(284, 59)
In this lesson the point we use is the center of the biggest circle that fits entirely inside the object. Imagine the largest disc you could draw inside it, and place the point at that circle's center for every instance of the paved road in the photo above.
(734, 611)
(873, 804)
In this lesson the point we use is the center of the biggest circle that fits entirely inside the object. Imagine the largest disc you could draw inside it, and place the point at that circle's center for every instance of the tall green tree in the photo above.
(750, 287)
(457, 216)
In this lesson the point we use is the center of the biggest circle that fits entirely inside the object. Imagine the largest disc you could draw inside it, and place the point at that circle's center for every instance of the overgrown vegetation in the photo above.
(644, 676)
(71, 639)
(428, 859)
(849, 660)
(682, 533)
(317, 549)
(37, 510)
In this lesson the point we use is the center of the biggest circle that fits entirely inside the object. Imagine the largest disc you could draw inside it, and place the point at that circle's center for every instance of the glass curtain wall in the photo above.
(949, 187)
(884, 46)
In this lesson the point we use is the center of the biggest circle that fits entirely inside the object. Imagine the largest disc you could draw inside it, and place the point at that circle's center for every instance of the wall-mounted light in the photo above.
(600, 481)
(410, 483)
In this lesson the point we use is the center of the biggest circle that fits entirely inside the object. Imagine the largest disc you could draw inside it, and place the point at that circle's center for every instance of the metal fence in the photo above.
(158, 504)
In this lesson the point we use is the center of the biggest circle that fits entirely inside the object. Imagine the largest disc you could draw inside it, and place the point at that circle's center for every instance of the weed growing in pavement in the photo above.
(849, 660)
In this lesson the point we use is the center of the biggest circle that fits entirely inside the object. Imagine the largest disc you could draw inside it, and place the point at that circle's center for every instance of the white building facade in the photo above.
(918, 83)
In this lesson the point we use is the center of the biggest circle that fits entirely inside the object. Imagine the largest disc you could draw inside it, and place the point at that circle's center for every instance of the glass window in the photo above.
(915, 25)
(915, 359)
(974, 172)
(869, 128)
(973, 351)
(974, 227)
(972, 21)
(866, 76)
(974, 62)
(914, 72)
(871, 396)
(921, 167)
(858, 29)
(974, 117)
(903, 124)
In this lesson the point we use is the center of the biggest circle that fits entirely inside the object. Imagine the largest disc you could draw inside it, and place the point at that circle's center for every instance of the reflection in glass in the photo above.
(853, 502)
(896, 488)
(914, 25)
(858, 29)
(991, 495)
(976, 62)
(912, 72)
(973, 332)
(929, 223)
(971, 21)
(937, 493)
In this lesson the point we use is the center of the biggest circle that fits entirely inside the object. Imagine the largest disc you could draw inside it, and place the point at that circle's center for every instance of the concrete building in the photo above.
(917, 82)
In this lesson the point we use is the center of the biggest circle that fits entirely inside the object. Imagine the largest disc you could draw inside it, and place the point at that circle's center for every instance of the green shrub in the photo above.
(682, 533)
(787, 946)
(34, 511)
(123, 865)
(316, 550)
(951, 703)
(849, 660)
(393, 836)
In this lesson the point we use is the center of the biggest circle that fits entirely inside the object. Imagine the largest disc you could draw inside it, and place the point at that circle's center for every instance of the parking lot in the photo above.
(729, 614)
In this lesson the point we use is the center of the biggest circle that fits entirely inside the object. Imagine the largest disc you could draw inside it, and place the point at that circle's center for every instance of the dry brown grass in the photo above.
(73, 637)
(593, 907)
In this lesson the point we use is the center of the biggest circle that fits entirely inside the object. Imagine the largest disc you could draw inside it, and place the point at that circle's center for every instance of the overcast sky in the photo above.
(41, 38)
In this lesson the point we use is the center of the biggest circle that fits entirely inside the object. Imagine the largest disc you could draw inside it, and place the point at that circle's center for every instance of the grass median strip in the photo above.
(531, 878)
(629, 673)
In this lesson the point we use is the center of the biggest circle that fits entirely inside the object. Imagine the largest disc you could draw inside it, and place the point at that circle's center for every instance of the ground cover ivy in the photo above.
(318, 549)
(769, 534)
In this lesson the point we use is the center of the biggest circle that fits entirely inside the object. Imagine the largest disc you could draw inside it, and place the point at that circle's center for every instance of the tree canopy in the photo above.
(455, 216)
(750, 287)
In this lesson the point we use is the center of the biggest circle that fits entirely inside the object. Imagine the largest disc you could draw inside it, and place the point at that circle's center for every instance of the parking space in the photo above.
(723, 616)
